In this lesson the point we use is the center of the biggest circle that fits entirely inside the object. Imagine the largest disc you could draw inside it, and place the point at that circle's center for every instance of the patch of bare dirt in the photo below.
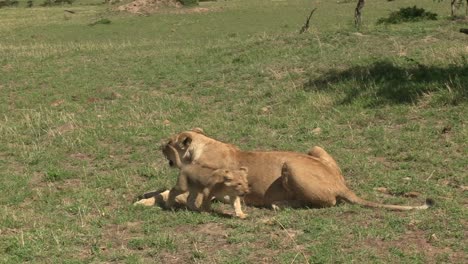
(68, 127)
(148, 6)
(415, 241)
(69, 184)
(201, 239)
(144, 7)
(7, 68)
(383, 161)
(206, 241)
(114, 238)
(214, 230)
(81, 156)
(36, 179)
(12, 165)
(119, 235)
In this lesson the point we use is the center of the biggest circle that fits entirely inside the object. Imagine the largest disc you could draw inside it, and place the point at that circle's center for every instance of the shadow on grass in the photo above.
(384, 82)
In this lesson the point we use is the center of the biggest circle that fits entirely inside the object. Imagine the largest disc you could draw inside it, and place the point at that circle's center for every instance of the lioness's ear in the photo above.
(198, 130)
(186, 142)
(219, 174)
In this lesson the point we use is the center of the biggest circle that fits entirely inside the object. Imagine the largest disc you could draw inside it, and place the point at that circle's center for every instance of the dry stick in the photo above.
(294, 259)
(452, 7)
(22, 238)
(305, 27)
(196, 249)
(357, 13)
(294, 241)
(430, 176)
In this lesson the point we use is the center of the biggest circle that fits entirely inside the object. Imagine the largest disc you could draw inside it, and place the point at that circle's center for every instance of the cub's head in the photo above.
(234, 181)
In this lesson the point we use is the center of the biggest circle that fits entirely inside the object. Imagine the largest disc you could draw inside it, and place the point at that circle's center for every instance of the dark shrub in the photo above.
(408, 14)
(4, 3)
(57, 2)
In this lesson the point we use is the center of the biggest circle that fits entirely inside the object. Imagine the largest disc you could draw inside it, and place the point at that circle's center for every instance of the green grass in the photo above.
(83, 109)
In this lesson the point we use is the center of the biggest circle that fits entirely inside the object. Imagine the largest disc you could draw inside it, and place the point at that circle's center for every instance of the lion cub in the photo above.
(204, 183)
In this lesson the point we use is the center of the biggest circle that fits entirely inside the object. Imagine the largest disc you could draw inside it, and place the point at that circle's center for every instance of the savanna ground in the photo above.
(83, 109)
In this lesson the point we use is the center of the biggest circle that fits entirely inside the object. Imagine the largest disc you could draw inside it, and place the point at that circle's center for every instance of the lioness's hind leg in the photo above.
(161, 199)
(285, 176)
(320, 153)
(153, 198)
(307, 186)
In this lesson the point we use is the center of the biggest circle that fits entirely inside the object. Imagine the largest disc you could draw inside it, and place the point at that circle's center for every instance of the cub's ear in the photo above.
(198, 130)
(245, 169)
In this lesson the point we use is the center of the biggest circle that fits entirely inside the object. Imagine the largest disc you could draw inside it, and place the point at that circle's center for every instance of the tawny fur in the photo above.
(203, 183)
(277, 178)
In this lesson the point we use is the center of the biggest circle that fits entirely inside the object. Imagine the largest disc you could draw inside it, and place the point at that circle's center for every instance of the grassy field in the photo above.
(83, 109)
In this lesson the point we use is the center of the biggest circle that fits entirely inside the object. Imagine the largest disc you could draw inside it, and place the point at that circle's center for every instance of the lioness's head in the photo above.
(182, 144)
(235, 181)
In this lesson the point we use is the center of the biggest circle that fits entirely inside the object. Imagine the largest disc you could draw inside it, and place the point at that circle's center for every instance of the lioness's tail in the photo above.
(351, 197)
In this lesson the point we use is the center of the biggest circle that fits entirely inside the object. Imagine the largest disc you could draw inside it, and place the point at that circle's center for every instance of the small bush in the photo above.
(189, 2)
(56, 174)
(408, 14)
(4, 3)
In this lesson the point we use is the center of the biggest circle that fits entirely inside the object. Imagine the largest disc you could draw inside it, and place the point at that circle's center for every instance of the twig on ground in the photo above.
(305, 27)
(294, 241)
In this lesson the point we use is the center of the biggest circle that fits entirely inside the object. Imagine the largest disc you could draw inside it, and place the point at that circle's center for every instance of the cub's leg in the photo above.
(236, 203)
(180, 188)
(206, 203)
(172, 196)
(195, 199)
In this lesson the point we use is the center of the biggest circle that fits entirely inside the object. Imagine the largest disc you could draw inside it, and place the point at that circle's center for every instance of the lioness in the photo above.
(205, 183)
(277, 178)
